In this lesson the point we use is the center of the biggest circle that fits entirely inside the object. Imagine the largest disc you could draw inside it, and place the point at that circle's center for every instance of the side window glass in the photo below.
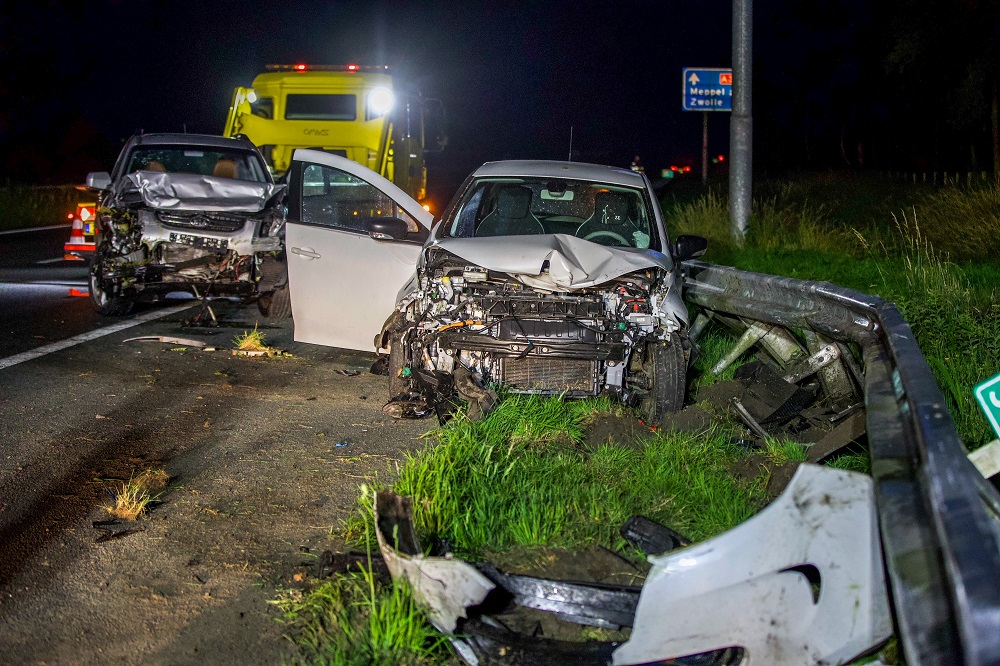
(465, 221)
(332, 198)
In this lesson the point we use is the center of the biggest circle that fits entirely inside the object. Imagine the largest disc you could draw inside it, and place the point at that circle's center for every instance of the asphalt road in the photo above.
(35, 303)
(266, 455)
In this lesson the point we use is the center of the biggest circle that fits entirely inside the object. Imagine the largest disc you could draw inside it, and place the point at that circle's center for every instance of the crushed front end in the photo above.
(211, 240)
(467, 329)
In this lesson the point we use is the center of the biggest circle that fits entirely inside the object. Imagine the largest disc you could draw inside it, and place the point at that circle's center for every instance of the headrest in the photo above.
(513, 202)
(153, 165)
(225, 168)
(615, 208)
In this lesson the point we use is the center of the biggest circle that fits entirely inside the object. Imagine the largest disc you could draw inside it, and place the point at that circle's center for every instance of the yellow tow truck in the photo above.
(354, 111)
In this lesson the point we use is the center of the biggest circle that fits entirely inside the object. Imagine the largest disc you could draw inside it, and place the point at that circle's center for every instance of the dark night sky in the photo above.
(514, 76)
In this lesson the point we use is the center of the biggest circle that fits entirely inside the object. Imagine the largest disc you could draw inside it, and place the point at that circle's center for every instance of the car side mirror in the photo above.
(99, 180)
(387, 228)
(689, 247)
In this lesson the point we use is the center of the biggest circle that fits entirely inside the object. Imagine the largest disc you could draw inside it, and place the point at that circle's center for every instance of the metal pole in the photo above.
(741, 121)
(704, 148)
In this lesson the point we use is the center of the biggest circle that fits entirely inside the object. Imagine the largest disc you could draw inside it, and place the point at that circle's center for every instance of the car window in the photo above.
(603, 213)
(332, 198)
(198, 160)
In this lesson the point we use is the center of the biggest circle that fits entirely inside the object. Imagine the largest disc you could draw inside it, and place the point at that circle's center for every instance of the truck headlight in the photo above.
(380, 101)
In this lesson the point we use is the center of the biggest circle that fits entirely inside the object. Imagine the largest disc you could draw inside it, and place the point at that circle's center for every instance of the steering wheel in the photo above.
(610, 234)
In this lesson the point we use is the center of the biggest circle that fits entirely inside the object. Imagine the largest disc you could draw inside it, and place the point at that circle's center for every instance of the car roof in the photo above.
(556, 169)
(180, 139)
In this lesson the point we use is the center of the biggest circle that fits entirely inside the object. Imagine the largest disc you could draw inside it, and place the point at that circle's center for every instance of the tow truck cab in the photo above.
(354, 111)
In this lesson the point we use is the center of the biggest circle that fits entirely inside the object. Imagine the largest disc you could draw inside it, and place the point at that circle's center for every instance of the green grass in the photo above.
(919, 256)
(523, 478)
(24, 206)
(354, 619)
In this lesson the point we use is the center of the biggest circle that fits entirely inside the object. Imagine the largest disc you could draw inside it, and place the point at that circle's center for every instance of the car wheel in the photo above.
(277, 304)
(667, 373)
(104, 302)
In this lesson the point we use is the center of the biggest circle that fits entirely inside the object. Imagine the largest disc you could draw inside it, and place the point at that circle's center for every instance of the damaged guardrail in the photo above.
(939, 518)
(820, 574)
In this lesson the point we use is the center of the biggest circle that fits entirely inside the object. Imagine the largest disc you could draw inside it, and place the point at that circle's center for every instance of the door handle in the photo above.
(306, 252)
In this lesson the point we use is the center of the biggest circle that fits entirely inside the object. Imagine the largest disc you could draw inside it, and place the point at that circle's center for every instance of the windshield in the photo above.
(599, 212)
(199, 160)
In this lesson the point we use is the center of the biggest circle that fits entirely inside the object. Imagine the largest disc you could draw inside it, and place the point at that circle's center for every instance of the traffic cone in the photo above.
(76, 239)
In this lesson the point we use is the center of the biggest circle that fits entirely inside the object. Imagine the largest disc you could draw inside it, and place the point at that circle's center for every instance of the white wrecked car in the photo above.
(541, 277)
(186, 212)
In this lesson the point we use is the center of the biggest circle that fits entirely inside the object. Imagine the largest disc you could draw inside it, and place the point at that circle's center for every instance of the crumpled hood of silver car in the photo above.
(574, 263)
(185, 191)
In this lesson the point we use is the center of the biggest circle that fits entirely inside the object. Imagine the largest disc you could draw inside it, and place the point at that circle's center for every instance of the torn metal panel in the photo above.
(593, 604)
(849, 430)
(799, 583)
(186, 191)
(769, 398)
(446, 586)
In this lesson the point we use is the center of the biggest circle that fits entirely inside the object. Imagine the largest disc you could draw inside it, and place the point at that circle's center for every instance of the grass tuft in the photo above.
(132, 499)
(251, 341)
(355, 618)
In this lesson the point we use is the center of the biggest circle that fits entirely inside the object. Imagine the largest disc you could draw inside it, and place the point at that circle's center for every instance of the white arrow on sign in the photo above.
(693, 79)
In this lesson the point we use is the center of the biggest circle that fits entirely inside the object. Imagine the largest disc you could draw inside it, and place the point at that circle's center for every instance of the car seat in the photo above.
(153, 165)
(225, 168)
(614, 217)
(512, 215)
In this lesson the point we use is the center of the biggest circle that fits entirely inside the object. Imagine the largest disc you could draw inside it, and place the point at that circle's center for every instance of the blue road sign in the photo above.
(708, 89)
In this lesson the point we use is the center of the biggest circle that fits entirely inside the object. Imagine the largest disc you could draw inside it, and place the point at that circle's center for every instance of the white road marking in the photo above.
(89, 335)
(30, 229)
(50, 261)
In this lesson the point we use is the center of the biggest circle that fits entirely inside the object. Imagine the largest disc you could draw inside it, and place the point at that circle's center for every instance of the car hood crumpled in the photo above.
(185, 191)
(573, 263)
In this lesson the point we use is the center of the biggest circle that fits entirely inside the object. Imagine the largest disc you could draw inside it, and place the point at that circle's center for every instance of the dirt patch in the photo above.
(621, 429)
(750, 468)
(626, 430)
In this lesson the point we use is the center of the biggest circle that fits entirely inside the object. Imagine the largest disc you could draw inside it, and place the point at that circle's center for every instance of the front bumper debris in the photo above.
(801, 582)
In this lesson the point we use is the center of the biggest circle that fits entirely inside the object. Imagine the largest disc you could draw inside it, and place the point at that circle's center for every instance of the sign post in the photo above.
(707, 89)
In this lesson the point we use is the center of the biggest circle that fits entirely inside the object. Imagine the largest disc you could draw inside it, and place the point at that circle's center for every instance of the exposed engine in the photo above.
(143, 246)
(574, 343)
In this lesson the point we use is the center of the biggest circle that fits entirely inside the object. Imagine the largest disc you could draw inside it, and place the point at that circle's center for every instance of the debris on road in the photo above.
(776, 587)
(168, 339)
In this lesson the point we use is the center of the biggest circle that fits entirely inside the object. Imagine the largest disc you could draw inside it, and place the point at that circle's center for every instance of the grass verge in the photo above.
(931, 269)
(25, 206)
(524, 477)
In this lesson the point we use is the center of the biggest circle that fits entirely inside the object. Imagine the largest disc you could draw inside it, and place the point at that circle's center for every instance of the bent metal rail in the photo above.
(939, 518)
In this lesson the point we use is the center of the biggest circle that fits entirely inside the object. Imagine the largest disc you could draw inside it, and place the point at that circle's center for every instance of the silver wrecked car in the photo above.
(541, 277)
(185, 212)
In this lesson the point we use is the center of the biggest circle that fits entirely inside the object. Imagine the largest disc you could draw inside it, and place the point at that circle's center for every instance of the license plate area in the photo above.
(199, 241)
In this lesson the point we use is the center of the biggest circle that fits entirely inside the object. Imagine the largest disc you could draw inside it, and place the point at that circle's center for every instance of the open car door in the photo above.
(352, 240)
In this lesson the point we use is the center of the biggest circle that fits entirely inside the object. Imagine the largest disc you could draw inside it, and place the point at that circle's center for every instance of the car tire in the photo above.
(275, 300)
(277, 304)
(105, 303)
(667, 372)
